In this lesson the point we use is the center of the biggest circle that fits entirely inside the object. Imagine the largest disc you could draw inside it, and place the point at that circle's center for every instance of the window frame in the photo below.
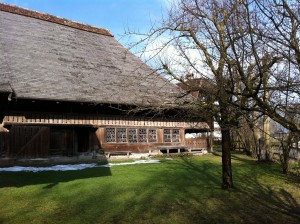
(123, 137)
(150, 134)
(171, 135)
(106, 137)
(134, 136)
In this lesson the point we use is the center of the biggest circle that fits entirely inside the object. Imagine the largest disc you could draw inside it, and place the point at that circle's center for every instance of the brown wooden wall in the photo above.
(197, 143)
(43, 141)
(138, 147)
(25, 141)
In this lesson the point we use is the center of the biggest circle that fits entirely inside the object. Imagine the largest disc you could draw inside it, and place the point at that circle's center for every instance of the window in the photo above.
(167, 135)
(121, 135)
(110, 135)
(142, 135)
(152, 135)
(132, 135)
(171, 135)
(175, 135)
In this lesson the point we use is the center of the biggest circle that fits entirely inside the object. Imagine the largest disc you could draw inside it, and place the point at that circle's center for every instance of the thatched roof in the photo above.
(50, 58)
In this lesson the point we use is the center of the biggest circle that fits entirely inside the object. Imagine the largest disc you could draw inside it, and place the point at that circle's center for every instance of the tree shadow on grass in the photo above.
(195, 188)
(208, 171)
(270, 198)
(52, 178)
(266, 189)
(237, 156)
(186, 190)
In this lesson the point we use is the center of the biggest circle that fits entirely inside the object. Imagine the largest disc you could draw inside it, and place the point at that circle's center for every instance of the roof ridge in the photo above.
(54, 19)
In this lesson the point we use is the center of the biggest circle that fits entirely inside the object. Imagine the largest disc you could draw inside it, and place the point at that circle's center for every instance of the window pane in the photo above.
(152, 135)
(121, 135)
(110, 135)
(142, 135)
(132, 135)
(167, 135)
(176, 135)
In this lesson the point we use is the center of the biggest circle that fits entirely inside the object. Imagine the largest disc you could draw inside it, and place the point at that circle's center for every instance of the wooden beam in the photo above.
(90, 120)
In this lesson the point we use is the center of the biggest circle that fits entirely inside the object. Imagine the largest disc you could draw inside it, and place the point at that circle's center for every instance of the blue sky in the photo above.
(114, 15)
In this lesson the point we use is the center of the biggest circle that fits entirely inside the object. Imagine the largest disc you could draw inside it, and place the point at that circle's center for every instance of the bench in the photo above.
(179, 148)
(199, 150)
(118, 153)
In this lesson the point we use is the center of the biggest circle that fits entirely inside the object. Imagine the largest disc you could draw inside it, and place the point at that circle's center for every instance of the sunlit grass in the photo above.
(182, 190)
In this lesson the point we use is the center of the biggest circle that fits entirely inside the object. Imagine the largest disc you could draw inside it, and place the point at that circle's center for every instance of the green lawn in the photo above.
(182, 190)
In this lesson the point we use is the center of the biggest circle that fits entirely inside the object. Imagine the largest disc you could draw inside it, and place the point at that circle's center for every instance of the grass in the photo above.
(182, 190)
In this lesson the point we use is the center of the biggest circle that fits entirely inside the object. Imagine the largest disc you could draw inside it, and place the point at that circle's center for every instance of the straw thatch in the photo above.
(44, 57)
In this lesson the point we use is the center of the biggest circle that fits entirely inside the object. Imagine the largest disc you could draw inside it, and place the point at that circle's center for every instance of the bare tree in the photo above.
(196, 31)
(231, 44)
(269, 44)
(270, 48)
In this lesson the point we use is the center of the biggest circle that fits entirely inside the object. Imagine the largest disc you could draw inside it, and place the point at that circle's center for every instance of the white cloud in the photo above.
(159, 50)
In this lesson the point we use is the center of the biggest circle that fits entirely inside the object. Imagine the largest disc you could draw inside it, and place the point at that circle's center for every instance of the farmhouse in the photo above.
(67, 88)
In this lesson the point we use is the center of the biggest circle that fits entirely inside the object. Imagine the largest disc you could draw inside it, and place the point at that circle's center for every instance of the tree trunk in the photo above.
(266, 135)
(285, 165)
(285, 157)
(210, 142)
(262, 149)
(226, 159)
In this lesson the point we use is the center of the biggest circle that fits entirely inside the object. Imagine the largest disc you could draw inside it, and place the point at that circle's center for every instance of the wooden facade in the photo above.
(43, 134)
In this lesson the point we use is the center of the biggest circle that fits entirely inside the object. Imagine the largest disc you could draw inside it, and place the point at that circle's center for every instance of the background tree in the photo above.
(271, 48)
(231, 44)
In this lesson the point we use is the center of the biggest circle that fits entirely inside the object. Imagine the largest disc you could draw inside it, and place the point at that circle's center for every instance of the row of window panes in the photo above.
(142, 135)
(131, 135)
